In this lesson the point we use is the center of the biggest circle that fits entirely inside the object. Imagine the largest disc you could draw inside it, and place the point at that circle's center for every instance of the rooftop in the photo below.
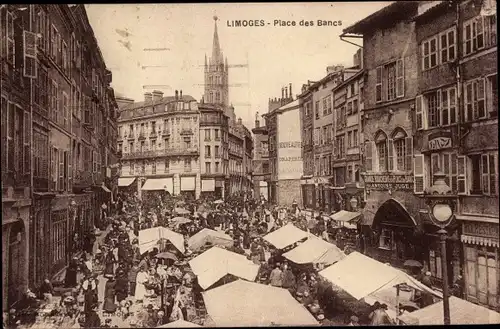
(164, 100)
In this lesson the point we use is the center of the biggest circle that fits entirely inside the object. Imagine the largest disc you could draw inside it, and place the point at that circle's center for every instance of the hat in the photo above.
(321, 316)
(300, 294)
(428, 273)
(354, 318)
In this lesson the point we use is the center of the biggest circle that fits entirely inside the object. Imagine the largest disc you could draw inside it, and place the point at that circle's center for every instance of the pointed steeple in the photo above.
(216, 52)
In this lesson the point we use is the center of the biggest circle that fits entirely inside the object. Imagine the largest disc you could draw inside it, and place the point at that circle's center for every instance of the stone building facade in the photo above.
(260, 160)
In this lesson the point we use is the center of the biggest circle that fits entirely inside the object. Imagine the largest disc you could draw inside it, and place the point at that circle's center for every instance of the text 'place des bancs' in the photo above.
(151, 179)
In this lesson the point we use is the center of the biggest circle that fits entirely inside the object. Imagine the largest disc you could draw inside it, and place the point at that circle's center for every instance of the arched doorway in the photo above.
(17, 240)
(397, 234)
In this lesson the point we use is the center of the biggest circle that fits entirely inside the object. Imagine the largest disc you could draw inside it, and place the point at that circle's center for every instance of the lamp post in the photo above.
(354, 203)
(441, 202)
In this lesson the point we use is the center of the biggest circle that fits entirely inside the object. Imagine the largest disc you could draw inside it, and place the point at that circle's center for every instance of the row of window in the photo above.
(389, 153)
(478, 33)
(208, 135)
(208, 151)
(439, 107)
(474, 174)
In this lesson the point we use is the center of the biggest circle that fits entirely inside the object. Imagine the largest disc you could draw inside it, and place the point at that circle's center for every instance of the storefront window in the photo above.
(385, 240)
(482, 274)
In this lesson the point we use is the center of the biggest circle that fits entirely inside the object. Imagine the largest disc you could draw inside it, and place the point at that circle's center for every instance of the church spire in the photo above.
(216, 51)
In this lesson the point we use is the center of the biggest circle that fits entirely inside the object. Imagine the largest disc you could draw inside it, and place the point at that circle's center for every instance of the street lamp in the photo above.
(354, 203)
(441, 201)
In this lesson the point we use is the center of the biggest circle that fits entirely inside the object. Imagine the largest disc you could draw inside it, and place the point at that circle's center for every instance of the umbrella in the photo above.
(218, 202)
(412, 263)
(182, 211)
(180, 220)
(167, 255)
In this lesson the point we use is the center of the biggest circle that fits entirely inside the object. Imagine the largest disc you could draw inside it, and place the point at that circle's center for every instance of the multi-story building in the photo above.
(159, 142)
(285, 151)
(390, 61)
(260, 160)
(238, 138)
(56, 100)
(307, 133)
(214, 148)
(457, 133)
(348, 104)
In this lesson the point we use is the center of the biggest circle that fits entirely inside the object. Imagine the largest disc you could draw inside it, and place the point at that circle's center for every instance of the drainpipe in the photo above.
(31, 215)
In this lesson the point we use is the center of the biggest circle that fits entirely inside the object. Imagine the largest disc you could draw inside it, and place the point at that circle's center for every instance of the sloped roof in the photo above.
(164, 100)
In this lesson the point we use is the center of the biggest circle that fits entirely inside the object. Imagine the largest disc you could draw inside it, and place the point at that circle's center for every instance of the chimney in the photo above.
(180, 96)
(286, 92)
(176, 94)
(148, 97)
(157, 96)
(257, 122)
(290, 88)
(239, 121)
(282, 92)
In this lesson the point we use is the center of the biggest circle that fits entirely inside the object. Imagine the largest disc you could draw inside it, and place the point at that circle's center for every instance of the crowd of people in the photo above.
(142, 289)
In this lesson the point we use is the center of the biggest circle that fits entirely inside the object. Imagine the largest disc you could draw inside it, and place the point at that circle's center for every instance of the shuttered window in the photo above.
(418, 174)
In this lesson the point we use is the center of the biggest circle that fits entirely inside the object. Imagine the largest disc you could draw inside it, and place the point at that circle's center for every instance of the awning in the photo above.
(149, 238)
(285, 236)
(125, 181)
(461, 312)
(315, 250)
(479, 218)
(480, 240)
(208, 185)
(105, 188)
(207, 235)
(345, 216)
(360, 276)
(188, 183)
(159, 184)
(242, 304)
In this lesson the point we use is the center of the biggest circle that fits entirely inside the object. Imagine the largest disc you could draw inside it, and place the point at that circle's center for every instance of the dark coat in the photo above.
(121, 288)
(70, 278)
(288, 279)
(109, 262)
(92, 320)
(109, 297)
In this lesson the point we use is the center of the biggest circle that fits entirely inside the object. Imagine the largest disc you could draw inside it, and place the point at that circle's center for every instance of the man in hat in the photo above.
(288, 279)
(354, 321)
(323, 321)
(276, 276)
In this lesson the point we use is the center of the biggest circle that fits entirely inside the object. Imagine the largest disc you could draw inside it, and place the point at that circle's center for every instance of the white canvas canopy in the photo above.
(315, 250)
(207, 235)
(243, 304)
(149, 238)
(285, 236)
(180, 324)
(462, 312)
(215, 263)
(361, 276)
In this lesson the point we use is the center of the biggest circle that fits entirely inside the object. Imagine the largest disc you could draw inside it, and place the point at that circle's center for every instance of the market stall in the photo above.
(215, 263)
(213, 237)
(180, 324)
(149, 238)
(243, 303)
(462, 312)
(315, 250)
(285, 236)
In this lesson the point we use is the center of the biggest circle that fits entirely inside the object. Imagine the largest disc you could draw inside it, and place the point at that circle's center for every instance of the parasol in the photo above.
(181, 211)
(180, 220)
(167, 255)
(412, 263)
(218, 202)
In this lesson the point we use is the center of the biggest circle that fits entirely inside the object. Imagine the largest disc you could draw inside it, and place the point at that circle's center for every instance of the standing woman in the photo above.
(70, 279)
(109, 296)
(109, 262)
(140, 289)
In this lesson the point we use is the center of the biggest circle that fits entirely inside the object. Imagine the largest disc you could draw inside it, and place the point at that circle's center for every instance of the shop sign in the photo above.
(439, 140)
(486, 230)
(389, 182)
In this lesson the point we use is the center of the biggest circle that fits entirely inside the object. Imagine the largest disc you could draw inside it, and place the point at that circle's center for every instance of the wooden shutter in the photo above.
(485, 174)
(418, 174)
(390, 154)
(27, 142)
(60, 185)
(400, 80)
(435, 165)
(419, 112)
(70, 171)
(462, 174)
(409, 153)
(378, 84)
(368, 156)
(30, 62)
(4, 112)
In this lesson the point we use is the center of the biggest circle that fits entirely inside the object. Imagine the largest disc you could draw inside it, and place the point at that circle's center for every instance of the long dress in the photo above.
(140, 289)
(109, 296)
(70, 279)
(110, 261)
(121, 288)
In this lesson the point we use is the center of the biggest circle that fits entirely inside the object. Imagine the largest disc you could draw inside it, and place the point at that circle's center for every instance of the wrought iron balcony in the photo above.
(160, 153)
(82, 180)
(187, 131)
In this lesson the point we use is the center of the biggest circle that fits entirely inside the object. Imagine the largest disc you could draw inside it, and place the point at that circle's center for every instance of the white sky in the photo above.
(276, 56)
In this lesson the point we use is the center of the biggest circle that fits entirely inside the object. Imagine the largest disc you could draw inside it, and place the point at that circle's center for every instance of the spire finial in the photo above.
(216, 18)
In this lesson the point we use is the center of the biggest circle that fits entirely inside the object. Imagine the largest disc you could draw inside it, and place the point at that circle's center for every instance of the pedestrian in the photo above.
(109, 296)
(132, 277)
(458, 287)
(380, 317)
(70, 279)
(289, 281)
(354, 321)
(121, 287)
(89, 287)
(140, 289)
(92, 319)
(109, 262)
(46, 291)
(276, 276)
(426, 279)
(323, 321)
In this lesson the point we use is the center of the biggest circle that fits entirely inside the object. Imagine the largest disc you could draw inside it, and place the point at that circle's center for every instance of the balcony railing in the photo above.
(40, 184)
(142, 136)
(160, 153)
(131, 136)
(187, 131)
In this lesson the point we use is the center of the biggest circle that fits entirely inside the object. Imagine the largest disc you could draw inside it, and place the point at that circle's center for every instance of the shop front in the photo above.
(308, 192)
(480, 238)
(188, 187)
